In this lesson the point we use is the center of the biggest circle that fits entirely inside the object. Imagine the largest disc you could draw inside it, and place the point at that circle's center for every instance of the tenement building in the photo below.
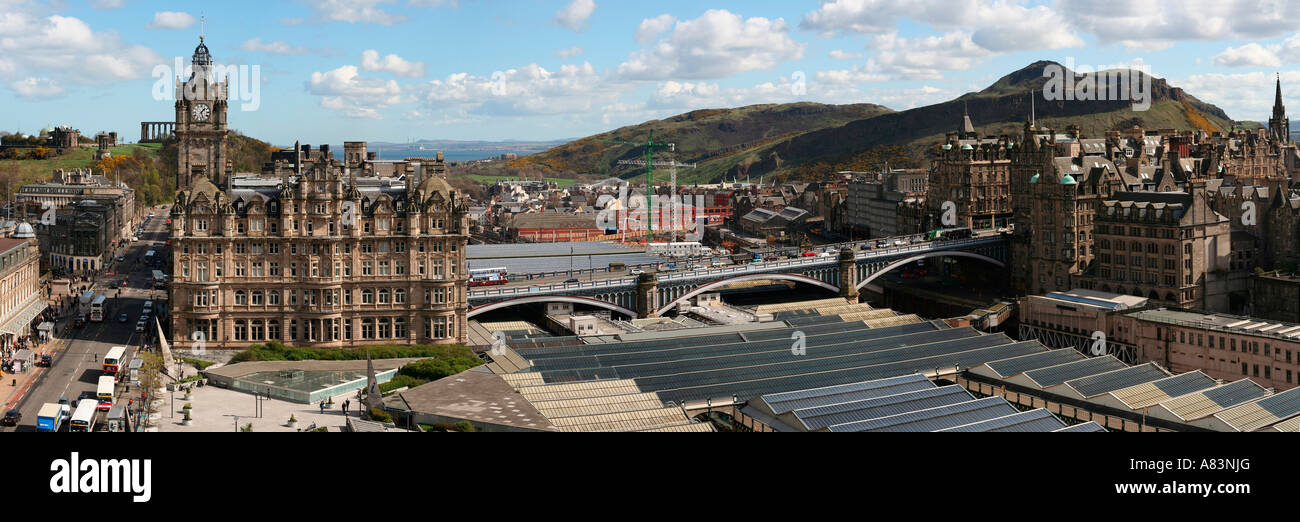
(970, 181)
(40, 202)
(318, 256)
(20, 285)
(1167, 246)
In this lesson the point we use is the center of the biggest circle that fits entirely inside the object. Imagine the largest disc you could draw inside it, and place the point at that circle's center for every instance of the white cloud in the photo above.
(435, 3)
(569, 53)
(172, 20)
(574, 16)
(840, 54)
(528, 90)
(345, 91)
(858, 74)
(652, 27)
(276, 47)
(1249, 55)
(1157, 25)
(715, 45)
(392, 63)
(65, 50)
(108, 4)
(37, 89)
(1244, 96)
(349, 11)
(995, 25)
(924, 58)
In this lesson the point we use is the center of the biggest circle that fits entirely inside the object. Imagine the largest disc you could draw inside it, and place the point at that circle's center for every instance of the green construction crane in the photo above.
(650, 144)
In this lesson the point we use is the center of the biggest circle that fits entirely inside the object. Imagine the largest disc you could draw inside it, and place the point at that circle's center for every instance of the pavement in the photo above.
(77, 352)
(219, 409)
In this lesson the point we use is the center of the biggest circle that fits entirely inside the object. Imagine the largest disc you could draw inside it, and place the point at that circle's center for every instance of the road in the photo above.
(76, 368)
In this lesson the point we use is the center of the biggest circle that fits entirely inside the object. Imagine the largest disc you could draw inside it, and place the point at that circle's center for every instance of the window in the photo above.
(347, 297)
(257, 297)
(367, 268)
(241, 298)
(399, 246)
(367, 247)
(239, 270)
(367, 297)
(273, 330)
(399, 326)
(399, 295)
(273, 299)
(275, 269)
(241, 330)
(383, 296)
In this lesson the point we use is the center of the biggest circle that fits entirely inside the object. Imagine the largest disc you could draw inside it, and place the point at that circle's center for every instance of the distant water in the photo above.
(397, 153)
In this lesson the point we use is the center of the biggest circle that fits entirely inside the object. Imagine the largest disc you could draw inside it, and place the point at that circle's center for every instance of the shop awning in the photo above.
(46, 326)
(19, 323)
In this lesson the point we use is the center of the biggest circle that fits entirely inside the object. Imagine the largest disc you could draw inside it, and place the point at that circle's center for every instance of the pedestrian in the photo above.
(345, 406)
(322, 407)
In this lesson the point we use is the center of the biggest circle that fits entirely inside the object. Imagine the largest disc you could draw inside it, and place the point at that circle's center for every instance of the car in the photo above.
(88, 394)
(809, 253)
(113, 285)
(63, 401)
(123, 318)
(121, 259)
(866, 246)
(12, 418)
(637, 271)
(80, 321)
(47, 361)
(571, 280)
(900, 242)
(139, 327)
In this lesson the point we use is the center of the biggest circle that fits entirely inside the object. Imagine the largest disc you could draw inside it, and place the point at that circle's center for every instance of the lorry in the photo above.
(51, 417)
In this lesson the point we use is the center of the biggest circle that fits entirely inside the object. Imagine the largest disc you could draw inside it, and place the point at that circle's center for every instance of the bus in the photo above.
(98, 309)
(488, 277)
(84, 418)
(113, 361)
(159, 279)
(949, 233)
(104, 392)
(150, 257)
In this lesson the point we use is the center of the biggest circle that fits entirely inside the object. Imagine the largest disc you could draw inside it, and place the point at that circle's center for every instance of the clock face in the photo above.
(201, 112)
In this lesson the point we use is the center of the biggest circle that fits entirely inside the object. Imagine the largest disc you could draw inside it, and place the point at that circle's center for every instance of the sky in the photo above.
(326, 71)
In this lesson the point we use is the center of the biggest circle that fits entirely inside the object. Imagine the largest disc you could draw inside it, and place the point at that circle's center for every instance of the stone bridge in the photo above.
(650, 295)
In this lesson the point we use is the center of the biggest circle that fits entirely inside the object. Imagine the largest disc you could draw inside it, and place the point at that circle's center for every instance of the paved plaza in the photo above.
(215, 409)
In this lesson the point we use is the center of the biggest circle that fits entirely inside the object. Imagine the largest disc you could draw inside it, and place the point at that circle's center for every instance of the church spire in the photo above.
(1279, 125)
(966, 126)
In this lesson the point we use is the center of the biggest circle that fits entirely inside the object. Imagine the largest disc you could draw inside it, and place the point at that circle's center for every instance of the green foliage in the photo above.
(379, 415)
(247, 428)
(187, 406)
(187, 415)
(321, 429)
(198, 363)
(441, 366)
(274, 351)
(465, 426)
(292, 418)
(400, 381)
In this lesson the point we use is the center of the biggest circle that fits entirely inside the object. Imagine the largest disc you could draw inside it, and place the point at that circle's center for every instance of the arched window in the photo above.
(257, 331)
(257, 297)
(273, 330)
(383, 296)
(399, 295)
(241, 298)
(273, 297)
(241, 330)
(367, 297)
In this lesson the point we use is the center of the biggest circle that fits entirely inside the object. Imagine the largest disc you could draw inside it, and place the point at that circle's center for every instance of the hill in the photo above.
(709, 138)
(778, 147)
(149, 168)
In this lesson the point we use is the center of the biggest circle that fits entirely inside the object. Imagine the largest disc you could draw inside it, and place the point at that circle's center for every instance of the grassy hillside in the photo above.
(149, 168)
(777, 143)
(22, 172)
(716, 139)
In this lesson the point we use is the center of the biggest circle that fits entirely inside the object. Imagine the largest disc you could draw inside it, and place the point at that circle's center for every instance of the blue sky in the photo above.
(335, 70)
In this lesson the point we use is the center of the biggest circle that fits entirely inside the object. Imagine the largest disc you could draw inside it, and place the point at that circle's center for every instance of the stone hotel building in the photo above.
(320, 258)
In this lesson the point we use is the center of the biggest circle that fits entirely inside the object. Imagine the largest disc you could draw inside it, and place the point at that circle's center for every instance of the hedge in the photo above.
(274, 351)
(400, 381)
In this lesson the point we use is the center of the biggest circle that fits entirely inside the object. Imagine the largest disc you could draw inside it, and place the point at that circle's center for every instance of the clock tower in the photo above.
(201, 126)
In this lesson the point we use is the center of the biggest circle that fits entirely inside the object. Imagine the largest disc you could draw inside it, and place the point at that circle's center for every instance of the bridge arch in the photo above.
(798, 278)
(549, 299)
(947, 253)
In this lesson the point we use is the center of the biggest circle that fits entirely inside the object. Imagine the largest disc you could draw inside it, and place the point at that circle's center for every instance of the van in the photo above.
(148, 307)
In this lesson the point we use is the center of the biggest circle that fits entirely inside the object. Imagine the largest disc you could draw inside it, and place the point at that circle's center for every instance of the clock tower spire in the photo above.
(201, 124)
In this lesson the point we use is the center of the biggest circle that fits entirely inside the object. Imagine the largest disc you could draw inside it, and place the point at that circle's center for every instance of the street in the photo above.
(78, 352)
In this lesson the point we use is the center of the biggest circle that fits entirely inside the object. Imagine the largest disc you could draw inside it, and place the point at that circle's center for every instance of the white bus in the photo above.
(98, 308)
(84, 418)
(105, 392)
(113, 360)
